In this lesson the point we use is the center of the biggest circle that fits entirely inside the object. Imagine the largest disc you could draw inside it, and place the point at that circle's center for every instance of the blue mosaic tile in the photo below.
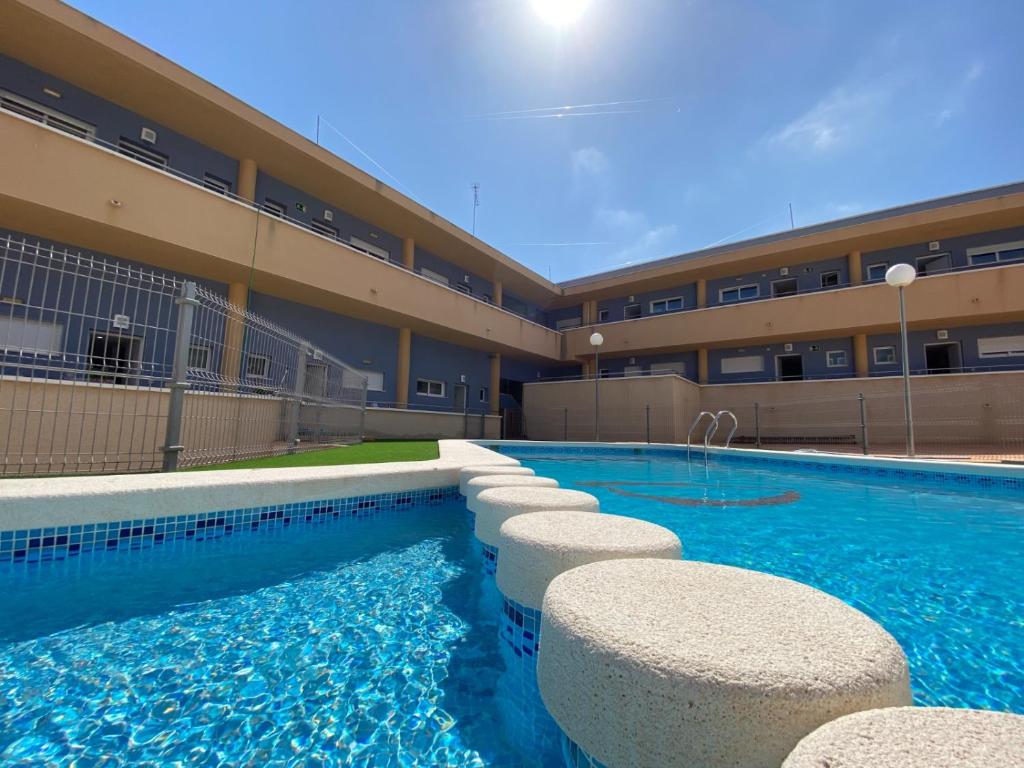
(490, 558)
(519, 629)
(44, 544)
(576, 757)
(937, 477)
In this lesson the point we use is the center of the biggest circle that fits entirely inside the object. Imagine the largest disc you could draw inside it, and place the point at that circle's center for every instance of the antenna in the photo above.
(476, 204)
(318, 130)
(791, 216)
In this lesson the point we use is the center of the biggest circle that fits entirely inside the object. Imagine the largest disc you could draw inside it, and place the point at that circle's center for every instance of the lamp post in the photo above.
(596, 339)
(900, 276)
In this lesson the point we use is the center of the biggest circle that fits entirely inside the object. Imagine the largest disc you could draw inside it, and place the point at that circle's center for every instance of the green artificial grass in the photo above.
(364, 453)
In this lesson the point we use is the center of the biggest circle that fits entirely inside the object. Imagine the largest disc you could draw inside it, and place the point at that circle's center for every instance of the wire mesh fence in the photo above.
(978, 417)
(107, 367)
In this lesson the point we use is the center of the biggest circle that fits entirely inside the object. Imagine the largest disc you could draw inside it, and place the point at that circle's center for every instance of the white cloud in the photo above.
(589, 161)
(836, 120)
(956, 97)
(619, 220)
(652, 243)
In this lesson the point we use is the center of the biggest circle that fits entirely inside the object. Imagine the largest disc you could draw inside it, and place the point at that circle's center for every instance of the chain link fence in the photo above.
(107, 367)
(974, 417)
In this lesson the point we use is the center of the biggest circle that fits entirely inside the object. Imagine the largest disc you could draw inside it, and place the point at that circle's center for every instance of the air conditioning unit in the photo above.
(784, 271)
(121, 322)
(942, 335)
(933, 245)
(787, 347)
(328, 215)
(462, 378)
(300, 207)
(631, 299)
(148, 135)
(465, 278)
(815, 347)
(632, 361)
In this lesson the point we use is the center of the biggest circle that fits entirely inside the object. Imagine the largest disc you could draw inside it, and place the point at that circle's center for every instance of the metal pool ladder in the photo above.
(709, 433)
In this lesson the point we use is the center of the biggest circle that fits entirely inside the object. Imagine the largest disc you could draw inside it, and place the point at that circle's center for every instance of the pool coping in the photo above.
(30, 503)
(821, 458)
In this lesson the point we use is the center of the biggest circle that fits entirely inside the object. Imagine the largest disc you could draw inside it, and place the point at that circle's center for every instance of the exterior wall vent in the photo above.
(784, 271)
(933, 245)
(300, 207)
(815, 347)
(328, 215)
(631, 299)
(942, 334)
(462, 378)
(148, 135)
(787, 347)
(632, 361)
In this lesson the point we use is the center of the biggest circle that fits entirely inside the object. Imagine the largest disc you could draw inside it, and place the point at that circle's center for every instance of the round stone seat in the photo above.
(485, 482)
(674, 663)
(537, 547)
(914, 737)
(496, 505)
(468, 473)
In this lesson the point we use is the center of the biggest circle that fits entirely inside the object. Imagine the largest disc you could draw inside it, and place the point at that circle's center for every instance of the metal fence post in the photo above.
(565, 425)
(295, 405)
(757, 425)
(648, 409)
(179, 376)
(863, 424)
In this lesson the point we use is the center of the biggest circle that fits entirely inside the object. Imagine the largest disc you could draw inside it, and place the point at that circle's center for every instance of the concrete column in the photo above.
(854, 265)
(247, 179)
(860, 354)
(702, 293)
(498, 294)
(409, 253)
(495, 390)
(234, 332)
(702, 366)
(402, 369)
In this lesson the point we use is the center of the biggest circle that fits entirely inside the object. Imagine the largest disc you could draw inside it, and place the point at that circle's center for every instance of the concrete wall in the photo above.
(400, 424)
(959, 409)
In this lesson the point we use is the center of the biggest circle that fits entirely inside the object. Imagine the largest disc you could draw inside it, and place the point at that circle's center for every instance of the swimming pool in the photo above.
(937, 564)
(359, 641)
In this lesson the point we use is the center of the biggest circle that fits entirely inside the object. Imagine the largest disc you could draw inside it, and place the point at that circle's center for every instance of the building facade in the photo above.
(113, 152)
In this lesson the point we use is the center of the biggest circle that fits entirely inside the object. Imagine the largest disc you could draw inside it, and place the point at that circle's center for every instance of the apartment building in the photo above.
(111, 151)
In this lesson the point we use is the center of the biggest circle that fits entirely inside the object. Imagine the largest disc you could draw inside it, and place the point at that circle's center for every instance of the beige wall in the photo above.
(402, 424)
(61, 187)
(983, 408)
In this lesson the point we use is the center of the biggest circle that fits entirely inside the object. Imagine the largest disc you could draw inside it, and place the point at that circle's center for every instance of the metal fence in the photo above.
(977, 417)
(107, 367)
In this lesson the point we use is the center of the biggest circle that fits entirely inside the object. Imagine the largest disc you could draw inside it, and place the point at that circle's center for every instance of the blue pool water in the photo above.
(367, 642)
(942, 568)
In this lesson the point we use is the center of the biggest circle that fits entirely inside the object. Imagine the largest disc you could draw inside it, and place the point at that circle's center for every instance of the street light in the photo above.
(596, 340)
(900, 276)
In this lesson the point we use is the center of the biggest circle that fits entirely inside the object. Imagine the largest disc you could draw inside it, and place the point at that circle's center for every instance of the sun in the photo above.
(560, 13)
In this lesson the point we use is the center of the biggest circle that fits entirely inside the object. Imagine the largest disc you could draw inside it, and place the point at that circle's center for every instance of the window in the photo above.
(569, 322)
(631, 312)
(739, 293)
(602, 315)
(216, 184)
(884, 355)
(835, 358)
(112, 356)
(784, 287)
(676, 367)
(877, 271)
(46, 116)
(369, 248)
(1001, 346)
(661, 306)
(275, 208)
(30, 337)
(830, 279)
(995, 254)
(484, 395)
(199, 358)
(136, 151)
(934, 264)
(257, 366)
(745, 364)
(435, 276)
(325, 229)
(429, 388)
(485, 298)
(463, 288)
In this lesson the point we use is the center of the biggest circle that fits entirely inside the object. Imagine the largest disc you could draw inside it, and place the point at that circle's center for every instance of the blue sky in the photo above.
(724, 113)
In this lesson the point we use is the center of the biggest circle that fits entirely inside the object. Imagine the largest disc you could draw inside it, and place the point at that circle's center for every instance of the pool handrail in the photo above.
(735, 426)
(693, 426)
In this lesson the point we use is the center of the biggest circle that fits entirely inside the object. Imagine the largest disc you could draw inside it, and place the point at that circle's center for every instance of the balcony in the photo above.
(969, 297)
(72, 190)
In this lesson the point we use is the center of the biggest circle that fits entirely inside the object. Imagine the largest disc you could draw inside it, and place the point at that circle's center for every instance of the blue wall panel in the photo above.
(616, 366)
(967, 337)
(955, 246)
(478, 286)
(441, 361)
(808, 277)
(616, 306)
(814, 354)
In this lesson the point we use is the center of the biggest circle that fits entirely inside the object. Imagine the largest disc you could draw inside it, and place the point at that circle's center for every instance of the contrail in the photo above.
(561, 115)
(565, 107)
(358, 149)
(553, 245)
